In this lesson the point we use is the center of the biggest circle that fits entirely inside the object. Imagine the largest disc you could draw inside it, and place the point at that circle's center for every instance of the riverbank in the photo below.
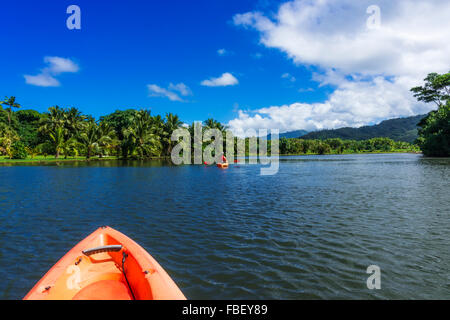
(361, 152)
(43, 160)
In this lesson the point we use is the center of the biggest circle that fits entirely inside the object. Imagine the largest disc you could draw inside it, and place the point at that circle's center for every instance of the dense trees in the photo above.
(338, 146)
(67, 132)
(434, 132)
(96, 138)
(141, 138)
(434, 135)
(136, 134)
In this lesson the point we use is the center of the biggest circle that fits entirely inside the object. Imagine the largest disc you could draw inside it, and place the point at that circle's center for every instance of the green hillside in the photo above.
(400, 129)
(290, 134)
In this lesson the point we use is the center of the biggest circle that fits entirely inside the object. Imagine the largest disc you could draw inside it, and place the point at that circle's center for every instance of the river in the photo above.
(308, 232)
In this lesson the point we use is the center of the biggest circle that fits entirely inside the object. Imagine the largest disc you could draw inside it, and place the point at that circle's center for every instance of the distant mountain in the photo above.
(400, 129)
(290, 134)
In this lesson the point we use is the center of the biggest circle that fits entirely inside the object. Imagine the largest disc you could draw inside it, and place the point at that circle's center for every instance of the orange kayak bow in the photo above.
(107, 265)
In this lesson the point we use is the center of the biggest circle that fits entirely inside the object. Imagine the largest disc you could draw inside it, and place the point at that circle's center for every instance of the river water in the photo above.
(308, 232)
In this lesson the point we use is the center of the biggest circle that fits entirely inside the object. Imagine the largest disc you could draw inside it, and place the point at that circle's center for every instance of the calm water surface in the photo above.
(308, 232)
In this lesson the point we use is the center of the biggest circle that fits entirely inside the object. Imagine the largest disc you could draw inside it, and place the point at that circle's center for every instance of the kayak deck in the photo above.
(107, 265)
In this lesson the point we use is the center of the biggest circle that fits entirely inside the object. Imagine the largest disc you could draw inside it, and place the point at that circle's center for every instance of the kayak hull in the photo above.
(222, 165)
(101, 275)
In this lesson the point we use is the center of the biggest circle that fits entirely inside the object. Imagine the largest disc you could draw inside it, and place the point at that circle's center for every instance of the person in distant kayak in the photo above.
(224, 159)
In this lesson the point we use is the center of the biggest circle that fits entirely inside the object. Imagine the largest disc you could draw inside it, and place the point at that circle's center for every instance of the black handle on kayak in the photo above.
(111, 248)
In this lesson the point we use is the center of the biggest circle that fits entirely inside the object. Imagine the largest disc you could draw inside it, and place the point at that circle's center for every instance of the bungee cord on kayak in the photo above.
(125, 275)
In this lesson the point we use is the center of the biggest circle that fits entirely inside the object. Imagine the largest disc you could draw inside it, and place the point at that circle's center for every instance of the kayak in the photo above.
(223, 165)
(106, 265)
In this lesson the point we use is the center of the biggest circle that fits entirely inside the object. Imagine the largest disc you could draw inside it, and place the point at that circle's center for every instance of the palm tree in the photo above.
(140, 137)
(70, 146)
(54, 119)
(158, 126)
(73, 120)
(95, 137)
(56, 141)
(107, 137)
(11, 103)
(173, 122)
(213, 124)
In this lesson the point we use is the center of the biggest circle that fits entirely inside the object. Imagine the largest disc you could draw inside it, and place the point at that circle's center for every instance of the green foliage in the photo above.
(95, 138)
(436, 89)
(434, 135)
(7, 137)
(434, 132)
(18, 150)
(120, 121)
(140, 137)
(27, 127)
(338, 146)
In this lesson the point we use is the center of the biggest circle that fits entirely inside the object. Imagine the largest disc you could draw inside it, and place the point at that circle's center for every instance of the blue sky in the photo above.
(120, 49)
(269, 49)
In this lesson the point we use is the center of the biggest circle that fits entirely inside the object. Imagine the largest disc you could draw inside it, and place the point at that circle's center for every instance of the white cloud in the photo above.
(59, 65)
(353, 104)
(224, 52)
(371, 70)
(288, 76)
(42, 80)
(226, 79)
(181, 88)
(221, 52)
(333, 34)
(55, 66)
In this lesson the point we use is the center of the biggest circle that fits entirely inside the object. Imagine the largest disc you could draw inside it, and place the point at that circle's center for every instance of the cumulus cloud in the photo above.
(55, 67)
(353, 104)
(173, 92)
(370, 69)
(226, 79)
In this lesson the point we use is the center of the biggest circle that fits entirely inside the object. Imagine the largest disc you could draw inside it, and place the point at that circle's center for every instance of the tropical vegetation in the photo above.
(434, 132)
(298, 146)
(64, 133)
(68, 133)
